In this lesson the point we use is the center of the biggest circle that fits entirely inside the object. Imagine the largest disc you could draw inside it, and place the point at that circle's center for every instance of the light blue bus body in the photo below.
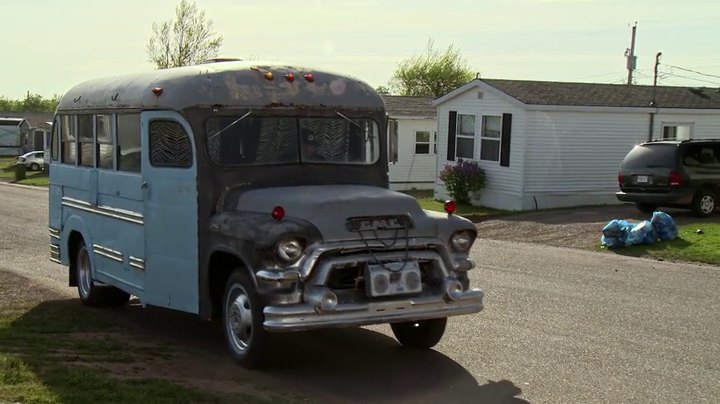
(140, 227)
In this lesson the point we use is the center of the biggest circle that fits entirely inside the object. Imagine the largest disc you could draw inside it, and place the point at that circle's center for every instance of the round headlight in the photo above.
(289, 250)
(461, 240)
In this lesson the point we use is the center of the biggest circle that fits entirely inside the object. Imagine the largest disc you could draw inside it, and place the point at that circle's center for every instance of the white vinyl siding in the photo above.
(413, 170)
(503, 185)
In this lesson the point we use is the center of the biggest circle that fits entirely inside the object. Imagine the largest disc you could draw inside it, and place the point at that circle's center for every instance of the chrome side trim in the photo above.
(55, 253)
(54, 233)
(136, 262)
(109, 211)
(108, 253)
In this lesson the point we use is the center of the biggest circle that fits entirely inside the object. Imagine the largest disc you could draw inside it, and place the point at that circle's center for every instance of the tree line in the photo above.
(31, 103)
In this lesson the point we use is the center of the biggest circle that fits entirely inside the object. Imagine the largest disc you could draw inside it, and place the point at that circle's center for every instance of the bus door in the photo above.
(169, 183)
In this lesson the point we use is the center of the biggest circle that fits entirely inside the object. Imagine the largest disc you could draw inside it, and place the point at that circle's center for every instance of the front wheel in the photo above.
(34, 167)
(242, 320)
(421, 334)
(92, 294)
(704, 203)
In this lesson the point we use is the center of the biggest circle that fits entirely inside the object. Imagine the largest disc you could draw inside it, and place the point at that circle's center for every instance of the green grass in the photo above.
(688, 246)
(427, 201)
(56, 352)
(7, 174)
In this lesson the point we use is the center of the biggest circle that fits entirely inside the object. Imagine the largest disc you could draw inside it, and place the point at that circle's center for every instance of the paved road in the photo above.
(560, 325)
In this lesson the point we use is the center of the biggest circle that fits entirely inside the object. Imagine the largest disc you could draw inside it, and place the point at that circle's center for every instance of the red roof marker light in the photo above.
(290, 77)
(309, 77)
(157, 91)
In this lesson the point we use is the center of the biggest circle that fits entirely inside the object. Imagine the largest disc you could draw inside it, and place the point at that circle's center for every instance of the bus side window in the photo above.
(87, 142)
(128, 141)
(103, 134)
(54, 145)
(67, 131)
(169, 145)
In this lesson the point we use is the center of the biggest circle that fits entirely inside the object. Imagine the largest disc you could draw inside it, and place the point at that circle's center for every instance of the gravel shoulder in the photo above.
(574, 228)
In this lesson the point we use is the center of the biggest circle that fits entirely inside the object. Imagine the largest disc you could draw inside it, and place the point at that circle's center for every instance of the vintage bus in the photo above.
(255, 193)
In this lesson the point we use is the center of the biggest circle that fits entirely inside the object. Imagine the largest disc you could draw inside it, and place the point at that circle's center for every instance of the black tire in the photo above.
(92, 294)
(704, 203)
(421, 334)
(645, 207)
(34, 167)
(242, 319)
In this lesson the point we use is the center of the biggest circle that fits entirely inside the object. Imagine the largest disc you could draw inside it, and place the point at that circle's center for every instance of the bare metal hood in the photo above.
(328, 207)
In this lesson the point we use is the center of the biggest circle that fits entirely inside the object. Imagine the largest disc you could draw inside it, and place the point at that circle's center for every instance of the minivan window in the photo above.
(652, 156)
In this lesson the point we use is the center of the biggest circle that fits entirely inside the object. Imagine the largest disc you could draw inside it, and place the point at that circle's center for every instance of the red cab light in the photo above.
(674, 179)
(278, 213)
(450, 206)
(290, 77)
(157, 91)
(309, 77)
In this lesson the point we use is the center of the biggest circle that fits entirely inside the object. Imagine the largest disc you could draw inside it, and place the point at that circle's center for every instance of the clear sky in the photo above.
(50, 45)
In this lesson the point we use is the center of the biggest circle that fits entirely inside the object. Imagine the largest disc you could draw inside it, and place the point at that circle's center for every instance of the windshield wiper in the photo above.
(229, 126)
(349, 120)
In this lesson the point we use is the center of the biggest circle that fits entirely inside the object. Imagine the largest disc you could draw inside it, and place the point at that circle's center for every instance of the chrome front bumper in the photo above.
(301, 317)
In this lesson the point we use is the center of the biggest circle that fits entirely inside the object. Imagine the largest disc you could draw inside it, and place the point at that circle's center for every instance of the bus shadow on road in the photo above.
(340, 365)
(336, 365)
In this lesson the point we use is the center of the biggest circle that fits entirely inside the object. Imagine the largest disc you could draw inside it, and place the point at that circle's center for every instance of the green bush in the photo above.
(462, 179)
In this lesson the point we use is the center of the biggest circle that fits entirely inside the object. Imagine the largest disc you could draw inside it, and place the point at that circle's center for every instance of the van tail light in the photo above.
(674, 179)
(619, 179)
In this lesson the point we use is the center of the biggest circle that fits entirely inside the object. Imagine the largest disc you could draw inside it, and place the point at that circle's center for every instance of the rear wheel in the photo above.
(646, 207)
(34, 167)
(92, 294)
(242, 320)
(704, 203)
(421, 334)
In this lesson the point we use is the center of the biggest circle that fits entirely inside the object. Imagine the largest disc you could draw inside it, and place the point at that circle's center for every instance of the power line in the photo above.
(689, 78)
(693, 71)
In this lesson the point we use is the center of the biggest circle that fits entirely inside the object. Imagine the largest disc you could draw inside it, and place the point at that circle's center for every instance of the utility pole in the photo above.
(630, 54)
(653, 102)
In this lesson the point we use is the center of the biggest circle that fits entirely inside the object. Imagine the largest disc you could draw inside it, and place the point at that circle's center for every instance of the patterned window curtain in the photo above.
(331, 136)
(278, 141)
(169, 145)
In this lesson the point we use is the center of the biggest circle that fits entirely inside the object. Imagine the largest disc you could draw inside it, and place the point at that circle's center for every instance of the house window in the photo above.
(490, 138)
(422, 142)
(465, 137)
(676, 131)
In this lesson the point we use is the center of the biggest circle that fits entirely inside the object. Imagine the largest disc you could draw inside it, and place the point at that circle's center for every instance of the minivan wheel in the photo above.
(704, 203)
(646, 207)
(34, 167)
(242, 319)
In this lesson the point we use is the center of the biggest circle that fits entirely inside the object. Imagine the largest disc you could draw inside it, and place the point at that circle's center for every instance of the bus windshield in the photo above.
(257, 140)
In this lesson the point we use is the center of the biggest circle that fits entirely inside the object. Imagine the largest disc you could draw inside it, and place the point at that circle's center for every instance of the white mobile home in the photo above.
(551, 144)
(412, 131)
(13, 132)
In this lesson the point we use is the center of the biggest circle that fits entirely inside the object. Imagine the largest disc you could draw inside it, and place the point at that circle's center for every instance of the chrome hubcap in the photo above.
(84, 275)
(707, 204)
(239, 318)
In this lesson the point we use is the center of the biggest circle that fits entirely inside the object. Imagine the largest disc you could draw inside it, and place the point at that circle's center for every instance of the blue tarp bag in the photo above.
(615, 233)
(641, 233)
(664, 225)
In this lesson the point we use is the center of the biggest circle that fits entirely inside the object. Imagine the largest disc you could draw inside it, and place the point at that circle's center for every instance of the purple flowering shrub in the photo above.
(462, 179)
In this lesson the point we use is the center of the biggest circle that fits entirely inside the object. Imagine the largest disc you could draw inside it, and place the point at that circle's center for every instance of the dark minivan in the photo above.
(672, 173)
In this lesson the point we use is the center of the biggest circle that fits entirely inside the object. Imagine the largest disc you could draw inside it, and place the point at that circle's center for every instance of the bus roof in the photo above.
(233, 84)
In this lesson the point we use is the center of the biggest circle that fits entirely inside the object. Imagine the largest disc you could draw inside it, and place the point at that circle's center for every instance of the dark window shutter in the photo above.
(505, 140)
(452, 123)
